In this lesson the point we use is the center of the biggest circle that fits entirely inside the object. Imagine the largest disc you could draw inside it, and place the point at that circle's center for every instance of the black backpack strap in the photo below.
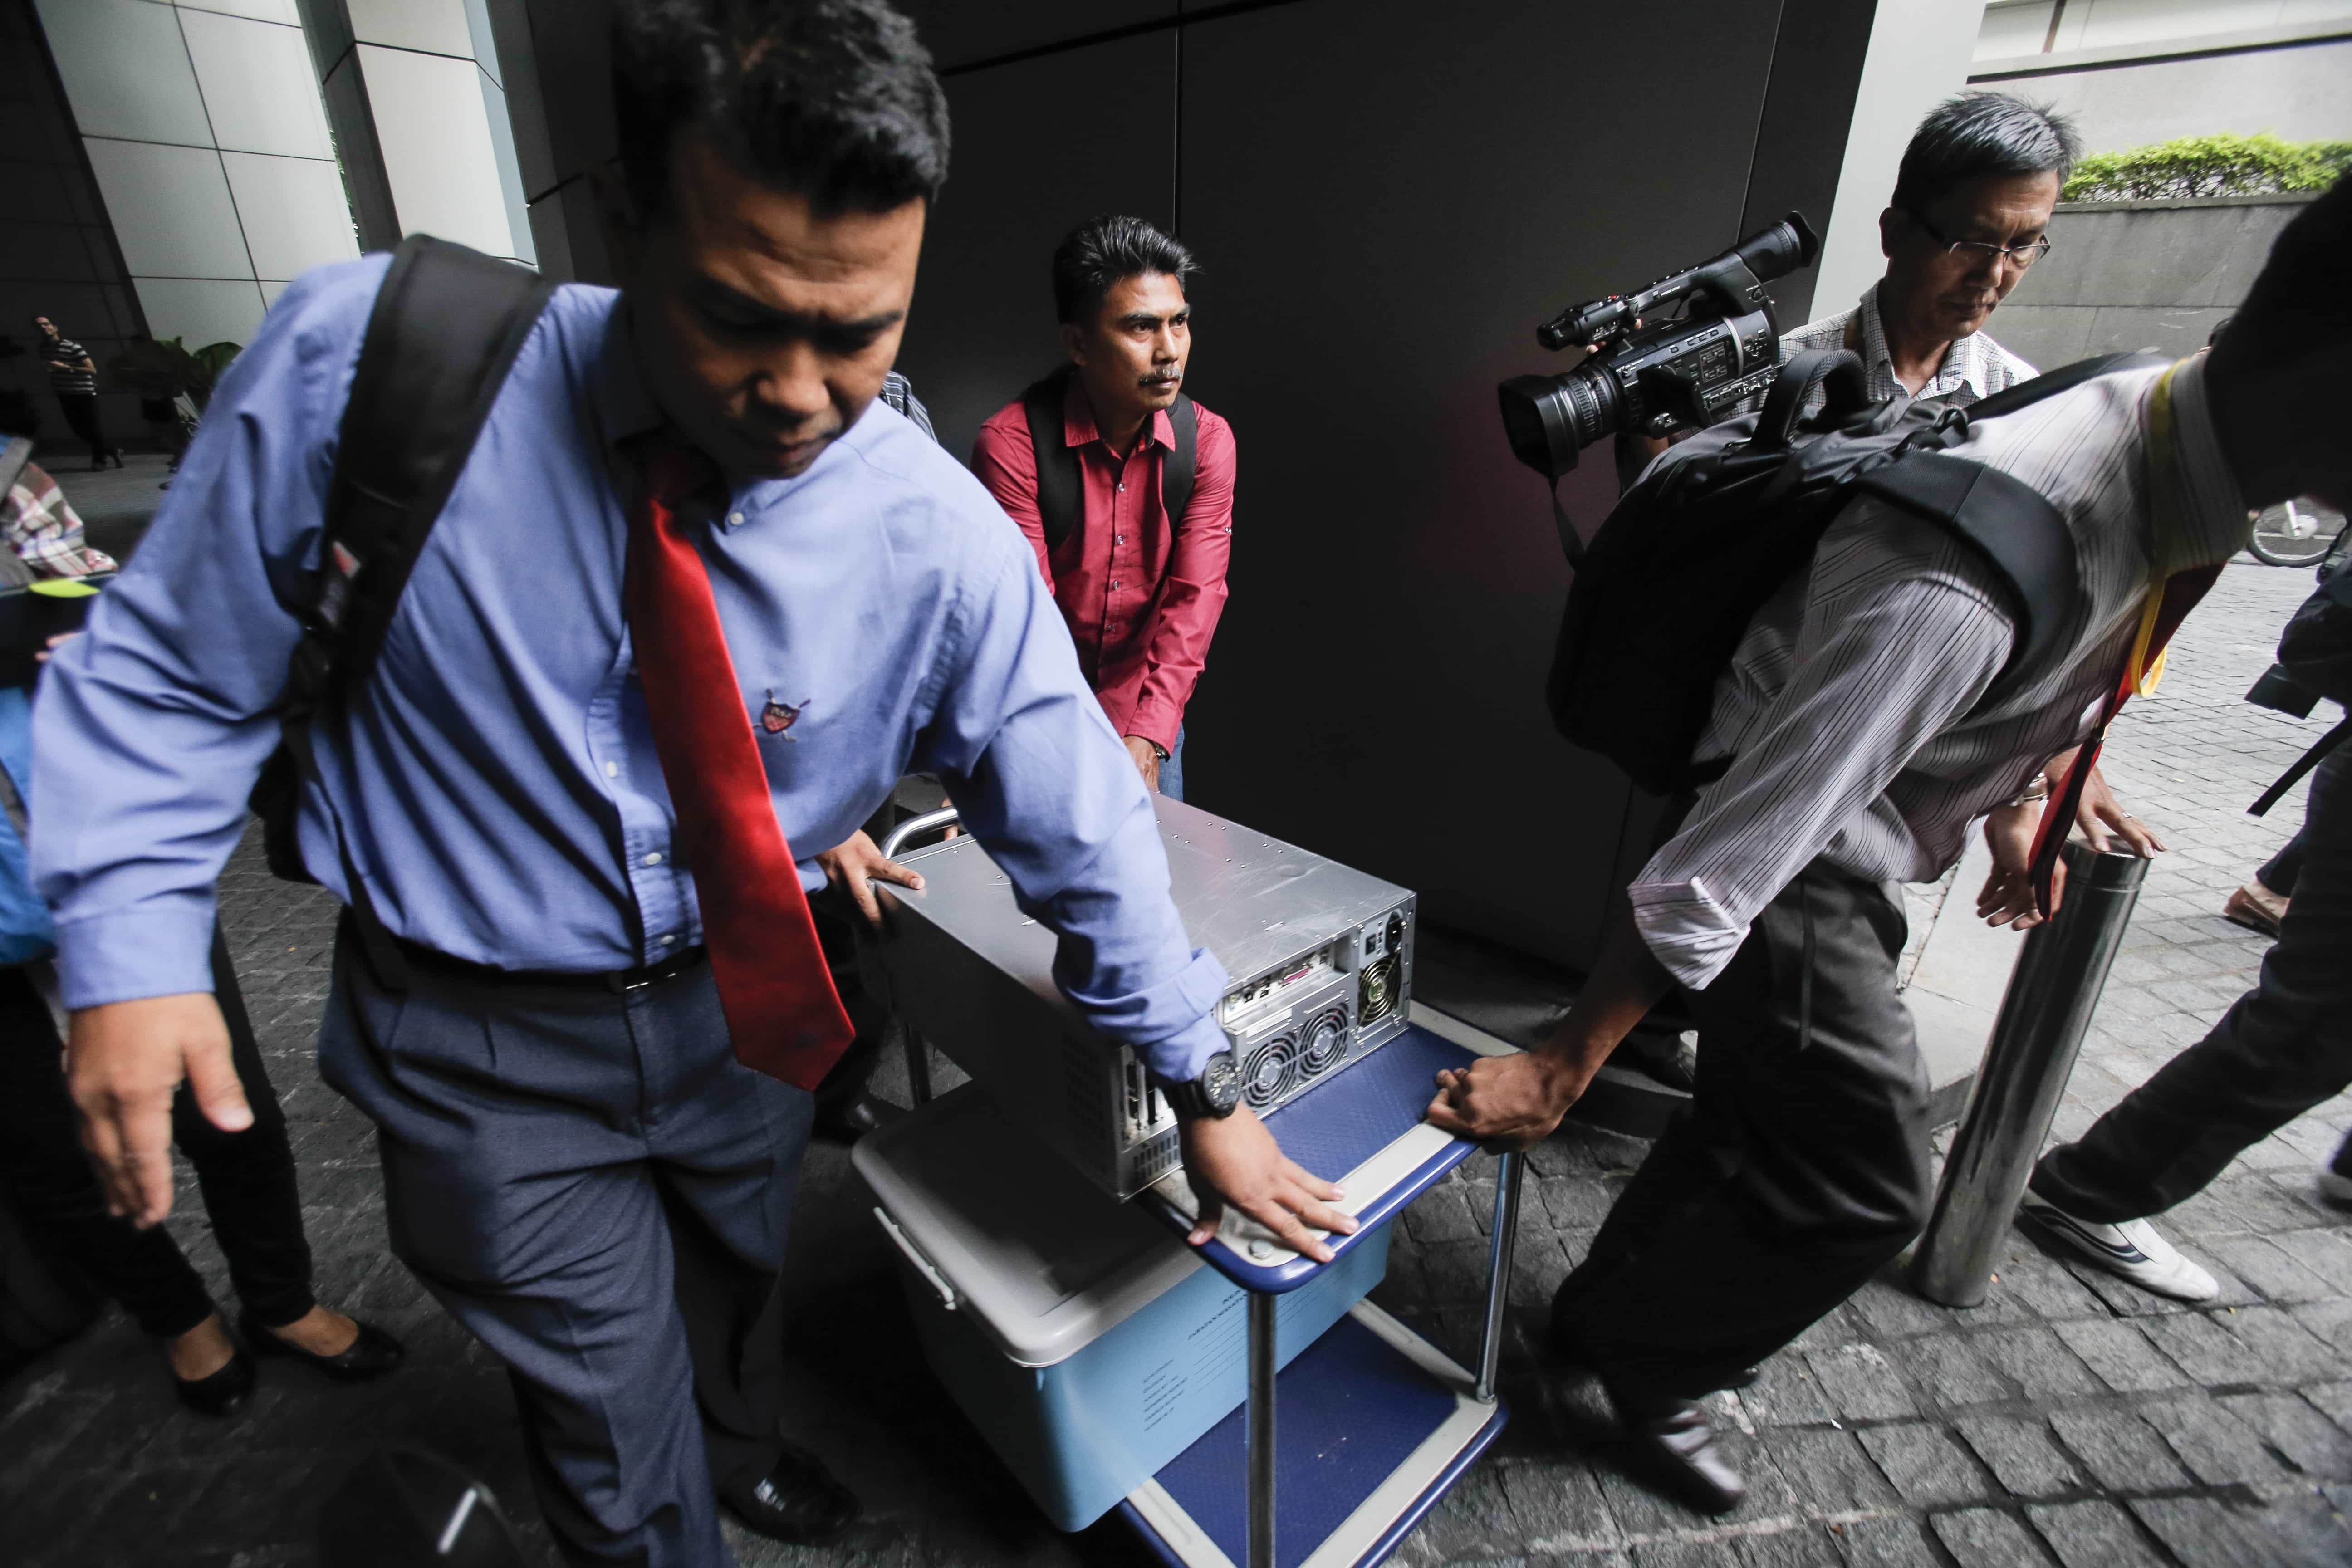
(1061, 494)
(446, 328)
(2025, 393)
(1184, 464)
(1838, 373)
(2012, 525)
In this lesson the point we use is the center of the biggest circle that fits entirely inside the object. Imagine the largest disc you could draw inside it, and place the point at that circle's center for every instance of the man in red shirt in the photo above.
(1135, 521)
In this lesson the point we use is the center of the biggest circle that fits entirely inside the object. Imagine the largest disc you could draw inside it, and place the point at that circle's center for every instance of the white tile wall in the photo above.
(201, 311)
(293, 213)
(260, 10)
(257, 86)
(437, 26)
(126, 71)
(170, 209)
(438, 152)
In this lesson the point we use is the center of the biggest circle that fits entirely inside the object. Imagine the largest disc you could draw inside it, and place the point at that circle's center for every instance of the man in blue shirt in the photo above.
(575, 1162)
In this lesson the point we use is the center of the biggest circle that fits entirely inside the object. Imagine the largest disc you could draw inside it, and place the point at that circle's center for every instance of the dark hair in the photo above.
(1979, 134)
(1102, 250)
(833, 99)
(2298, 305)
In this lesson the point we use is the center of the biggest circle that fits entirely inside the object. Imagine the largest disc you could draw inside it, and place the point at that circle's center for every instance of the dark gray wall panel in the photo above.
(1388, 196)
(1801, 141)
(1040, 146)
(961, 32)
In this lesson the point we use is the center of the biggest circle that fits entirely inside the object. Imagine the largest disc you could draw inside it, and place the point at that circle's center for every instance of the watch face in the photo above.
(1221, 1082)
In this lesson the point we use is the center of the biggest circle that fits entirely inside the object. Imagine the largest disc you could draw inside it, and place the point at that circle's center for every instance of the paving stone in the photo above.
(2022, 1454)
(2289, 1352)
(1787, 1393)
(2327, 1253)
(2310, 1441)
(2093, 1534)
(1441, 1214)
(1808, 1546)
(2121, 1355)
(2205, 1349)
(2038, 1361)
(1828, 1469)
(2269, 1268)
(1896, 1543)
(1983, 1538)
(1560, 1503)
(1925, 1464)
(2215, 1445)
(2212, 1532)
(1861, 1383)
(2123, 1453)
(1949, 1371)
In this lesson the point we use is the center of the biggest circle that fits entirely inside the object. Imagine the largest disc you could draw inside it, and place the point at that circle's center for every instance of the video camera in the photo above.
(1653, 379)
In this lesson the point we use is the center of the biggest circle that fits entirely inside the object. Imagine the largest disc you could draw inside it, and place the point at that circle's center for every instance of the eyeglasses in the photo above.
(2017, 256)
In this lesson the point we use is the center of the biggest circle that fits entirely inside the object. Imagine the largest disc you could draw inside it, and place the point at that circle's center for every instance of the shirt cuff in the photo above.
(1180, 1057)
(1157, 727)
(1686, 930)
(154, 950)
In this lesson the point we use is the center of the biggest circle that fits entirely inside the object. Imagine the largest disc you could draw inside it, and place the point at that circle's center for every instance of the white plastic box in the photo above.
(1085, 1340)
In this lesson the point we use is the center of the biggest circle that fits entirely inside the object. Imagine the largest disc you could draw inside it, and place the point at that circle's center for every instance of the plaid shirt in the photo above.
(1974, 367)
(41, 526)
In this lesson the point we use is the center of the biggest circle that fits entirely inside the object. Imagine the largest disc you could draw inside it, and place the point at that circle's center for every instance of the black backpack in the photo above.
(1061, 492)
(444, 331)
(1667, 588)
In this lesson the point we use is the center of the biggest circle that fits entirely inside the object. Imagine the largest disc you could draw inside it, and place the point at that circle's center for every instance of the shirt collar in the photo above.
(624, 407)
(1078, 419)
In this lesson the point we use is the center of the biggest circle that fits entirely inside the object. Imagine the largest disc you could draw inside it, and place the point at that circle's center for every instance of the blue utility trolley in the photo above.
(1331, 1463)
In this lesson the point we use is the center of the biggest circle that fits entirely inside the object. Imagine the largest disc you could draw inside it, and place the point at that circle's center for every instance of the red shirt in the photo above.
(1141, 596)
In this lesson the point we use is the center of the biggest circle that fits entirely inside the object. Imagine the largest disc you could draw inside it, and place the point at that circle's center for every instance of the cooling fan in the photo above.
(1327, 1041)
(1271, 1071)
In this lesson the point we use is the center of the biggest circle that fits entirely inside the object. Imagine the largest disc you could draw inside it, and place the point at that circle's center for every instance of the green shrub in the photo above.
(167, 369)
(2224, 165)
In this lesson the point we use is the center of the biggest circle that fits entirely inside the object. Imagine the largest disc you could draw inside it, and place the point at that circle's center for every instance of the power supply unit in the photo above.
(1319, 958)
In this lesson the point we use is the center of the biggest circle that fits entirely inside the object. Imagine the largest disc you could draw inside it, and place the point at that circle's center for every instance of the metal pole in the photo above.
(1508, 1170)
(1261, 1429)
(2043, 1016)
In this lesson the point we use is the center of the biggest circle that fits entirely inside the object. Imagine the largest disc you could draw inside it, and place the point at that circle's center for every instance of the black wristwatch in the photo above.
(1214, 1093)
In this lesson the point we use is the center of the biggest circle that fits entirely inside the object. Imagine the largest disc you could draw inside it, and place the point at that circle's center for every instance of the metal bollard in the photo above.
(1261, 1441)
(2043, 1016)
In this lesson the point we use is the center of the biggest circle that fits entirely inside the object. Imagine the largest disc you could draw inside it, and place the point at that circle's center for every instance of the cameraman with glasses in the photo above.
(1970, 213)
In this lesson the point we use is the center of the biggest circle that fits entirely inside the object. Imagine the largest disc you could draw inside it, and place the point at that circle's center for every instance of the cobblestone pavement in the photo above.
(2067, 1421)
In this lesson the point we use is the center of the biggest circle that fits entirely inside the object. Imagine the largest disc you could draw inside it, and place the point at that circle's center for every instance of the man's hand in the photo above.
(2101, 813)
(1146, 757)
(1235, 1160)
(122, 1063)
(1507, 1102)
(2007, 897)
(856, 864)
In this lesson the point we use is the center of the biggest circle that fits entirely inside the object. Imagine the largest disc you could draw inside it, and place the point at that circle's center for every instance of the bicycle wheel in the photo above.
(2295, 533)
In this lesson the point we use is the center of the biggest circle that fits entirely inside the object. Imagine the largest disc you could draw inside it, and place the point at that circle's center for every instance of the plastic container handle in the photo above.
(923, 1265)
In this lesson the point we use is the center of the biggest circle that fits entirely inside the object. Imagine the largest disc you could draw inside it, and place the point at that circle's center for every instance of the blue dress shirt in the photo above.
(497, 777)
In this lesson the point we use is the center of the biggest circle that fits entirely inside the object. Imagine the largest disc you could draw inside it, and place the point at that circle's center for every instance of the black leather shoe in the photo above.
(371, 1355)
(1673, 1439)
(222, 1393)
(798, 1503)
(851, 1119)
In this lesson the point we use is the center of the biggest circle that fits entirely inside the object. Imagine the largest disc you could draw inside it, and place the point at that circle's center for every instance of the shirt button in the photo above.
(669, 941)
(1120, 487)
(612, 770)
(654, 858)
(734, 520)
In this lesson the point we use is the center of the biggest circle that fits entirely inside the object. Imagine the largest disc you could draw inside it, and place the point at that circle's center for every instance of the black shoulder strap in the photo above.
(444, 331)
(1060, 492)
(2011, 524)
(2025, 393)
(1183, 465)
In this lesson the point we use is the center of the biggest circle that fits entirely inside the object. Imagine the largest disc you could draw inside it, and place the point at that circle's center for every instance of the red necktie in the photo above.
(782, 1009)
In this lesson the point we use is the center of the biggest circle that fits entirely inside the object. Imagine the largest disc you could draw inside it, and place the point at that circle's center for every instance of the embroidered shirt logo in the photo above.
(777, 717)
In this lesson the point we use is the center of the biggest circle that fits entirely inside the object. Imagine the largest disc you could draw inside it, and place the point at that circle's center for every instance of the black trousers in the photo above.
(2282, 1048)
(1800, 1169)
(247, 1178)
(82, 414)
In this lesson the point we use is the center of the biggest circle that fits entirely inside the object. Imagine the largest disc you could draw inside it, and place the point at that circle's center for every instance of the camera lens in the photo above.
(1549, 420)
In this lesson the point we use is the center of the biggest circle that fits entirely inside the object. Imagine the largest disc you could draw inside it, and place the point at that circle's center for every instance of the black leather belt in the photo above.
(433, 962)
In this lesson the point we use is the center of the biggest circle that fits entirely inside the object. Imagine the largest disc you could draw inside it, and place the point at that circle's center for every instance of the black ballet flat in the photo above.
(371, 1355)
(223, 1393)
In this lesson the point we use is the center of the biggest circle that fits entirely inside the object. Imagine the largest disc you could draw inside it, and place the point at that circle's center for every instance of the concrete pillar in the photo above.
(204, 130)
(415, 92)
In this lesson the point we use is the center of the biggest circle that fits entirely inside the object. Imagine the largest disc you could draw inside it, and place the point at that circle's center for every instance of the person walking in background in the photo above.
(1123, 484)
(73, 376)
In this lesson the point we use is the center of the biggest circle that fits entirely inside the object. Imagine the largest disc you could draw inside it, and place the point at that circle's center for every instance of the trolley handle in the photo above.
(923, 1266)
(915, 828)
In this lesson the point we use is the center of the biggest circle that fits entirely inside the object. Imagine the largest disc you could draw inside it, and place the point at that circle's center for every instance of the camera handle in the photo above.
(1838, 372)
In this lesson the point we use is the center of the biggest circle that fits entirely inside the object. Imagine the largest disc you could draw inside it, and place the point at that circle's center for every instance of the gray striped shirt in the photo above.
(1851, 704)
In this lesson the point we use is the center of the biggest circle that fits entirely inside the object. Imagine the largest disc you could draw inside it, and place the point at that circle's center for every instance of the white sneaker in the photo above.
(2131, 1250)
